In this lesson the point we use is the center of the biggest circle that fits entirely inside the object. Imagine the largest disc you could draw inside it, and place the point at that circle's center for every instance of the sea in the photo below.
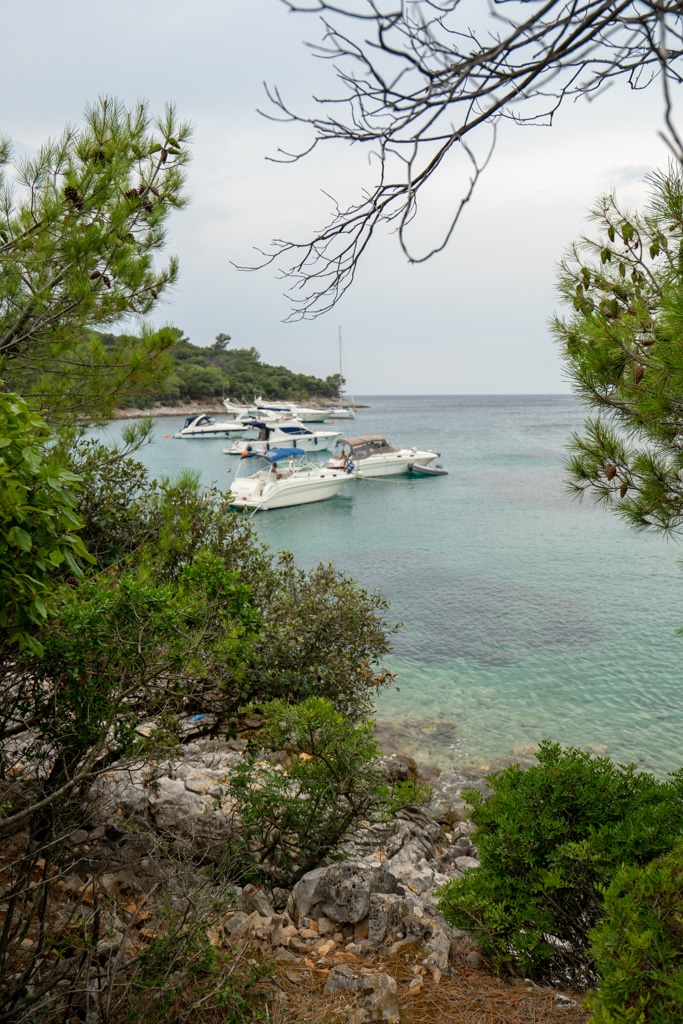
(526, 615)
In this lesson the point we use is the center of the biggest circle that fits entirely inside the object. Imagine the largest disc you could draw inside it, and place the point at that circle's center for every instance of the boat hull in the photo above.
(420, 470)
(221, 430)
(389, 464)
(299, 489)
(305, 442)
(341, 414)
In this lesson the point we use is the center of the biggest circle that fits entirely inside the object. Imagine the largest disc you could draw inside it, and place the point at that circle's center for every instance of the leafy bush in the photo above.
(38, 522)
(638, 945)
(295, 816)
(323, 633)
(550, 838)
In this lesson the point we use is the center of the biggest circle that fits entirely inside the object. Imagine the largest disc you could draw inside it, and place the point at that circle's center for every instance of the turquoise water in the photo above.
(526, 614)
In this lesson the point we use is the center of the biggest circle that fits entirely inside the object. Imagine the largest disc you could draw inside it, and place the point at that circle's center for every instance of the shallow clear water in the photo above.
(527, 615)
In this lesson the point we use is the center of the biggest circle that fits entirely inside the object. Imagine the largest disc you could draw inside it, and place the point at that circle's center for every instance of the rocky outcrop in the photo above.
(378, 902)
(341, 892)
(185, 796)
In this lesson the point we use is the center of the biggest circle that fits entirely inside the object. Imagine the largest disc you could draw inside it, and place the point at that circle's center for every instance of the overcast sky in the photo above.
(472, 320)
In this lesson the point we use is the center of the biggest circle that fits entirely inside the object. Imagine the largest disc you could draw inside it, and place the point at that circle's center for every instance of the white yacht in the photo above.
(372, 455)
(284, 477)
(238, 410)
(202, 425)
(304, 413)
(283, 434)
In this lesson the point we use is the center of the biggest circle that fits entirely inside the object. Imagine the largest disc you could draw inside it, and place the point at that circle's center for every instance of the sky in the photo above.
(472, 320)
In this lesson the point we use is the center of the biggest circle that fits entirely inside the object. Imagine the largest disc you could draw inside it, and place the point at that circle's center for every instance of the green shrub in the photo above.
(323, 633)
(550, 838)
(182, 976)
(38, 522)
(638, 945)
(296, 816)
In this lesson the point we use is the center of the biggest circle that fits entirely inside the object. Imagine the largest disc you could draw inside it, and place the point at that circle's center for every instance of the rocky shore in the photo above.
(364, 935)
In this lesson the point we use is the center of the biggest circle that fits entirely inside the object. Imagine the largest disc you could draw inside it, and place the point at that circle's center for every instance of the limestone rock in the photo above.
(397, 768)
(402, 919)
(256, 899)
(374, 995)
(466, 863)
(447, 804)
(341, 892)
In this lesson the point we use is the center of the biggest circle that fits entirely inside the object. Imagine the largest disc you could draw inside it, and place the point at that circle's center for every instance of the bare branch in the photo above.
(416, 84)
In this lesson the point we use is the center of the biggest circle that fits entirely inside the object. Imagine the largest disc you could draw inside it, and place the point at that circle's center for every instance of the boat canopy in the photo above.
(373, 442)
(274, 455)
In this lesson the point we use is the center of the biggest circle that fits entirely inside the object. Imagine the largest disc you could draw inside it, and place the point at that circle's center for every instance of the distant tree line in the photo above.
(199, 372)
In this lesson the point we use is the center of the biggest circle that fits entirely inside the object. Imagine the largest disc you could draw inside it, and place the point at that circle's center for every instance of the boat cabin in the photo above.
(283, 428)
(363, 447)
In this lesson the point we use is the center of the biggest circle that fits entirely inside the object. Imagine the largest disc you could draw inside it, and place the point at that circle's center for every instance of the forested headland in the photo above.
(204, 372)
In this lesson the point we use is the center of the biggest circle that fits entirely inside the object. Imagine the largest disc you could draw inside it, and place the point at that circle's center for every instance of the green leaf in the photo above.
(19, 538)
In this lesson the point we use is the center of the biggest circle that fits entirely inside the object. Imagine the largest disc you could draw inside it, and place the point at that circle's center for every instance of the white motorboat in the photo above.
(289, 410)
(284, 478)
(202, 425)
(310, 413)
(283, 434)
(372, 455)
(238, 410)
(340, 412)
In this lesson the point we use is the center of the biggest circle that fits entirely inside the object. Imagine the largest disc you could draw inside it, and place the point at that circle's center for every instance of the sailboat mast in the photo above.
(341, 391)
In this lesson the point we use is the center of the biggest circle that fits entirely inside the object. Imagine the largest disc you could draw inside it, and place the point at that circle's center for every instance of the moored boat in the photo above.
(202, 425)
(283, 434)
(418, 470)
(372, 456)
(284, 478)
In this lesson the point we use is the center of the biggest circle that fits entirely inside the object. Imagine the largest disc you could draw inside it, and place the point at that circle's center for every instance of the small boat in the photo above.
(284, 478)
(283, 434)
(341, 412)
(418, 470)
(372, 456)
(206, 426)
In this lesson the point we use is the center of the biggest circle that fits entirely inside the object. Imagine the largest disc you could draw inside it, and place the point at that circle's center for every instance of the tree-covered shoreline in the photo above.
(216, 371)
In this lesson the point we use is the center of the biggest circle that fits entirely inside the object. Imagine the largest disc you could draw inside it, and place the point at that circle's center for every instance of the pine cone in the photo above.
(610, 471)
(74, 196)
(638, 372)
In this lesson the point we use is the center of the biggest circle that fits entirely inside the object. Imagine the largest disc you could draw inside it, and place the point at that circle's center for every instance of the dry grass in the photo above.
(465, 997)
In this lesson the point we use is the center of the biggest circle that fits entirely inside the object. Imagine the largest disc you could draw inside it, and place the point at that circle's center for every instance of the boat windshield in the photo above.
(198, 421)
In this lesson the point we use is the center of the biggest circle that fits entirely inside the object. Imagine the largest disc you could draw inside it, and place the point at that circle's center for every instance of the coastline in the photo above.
(211, 406)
